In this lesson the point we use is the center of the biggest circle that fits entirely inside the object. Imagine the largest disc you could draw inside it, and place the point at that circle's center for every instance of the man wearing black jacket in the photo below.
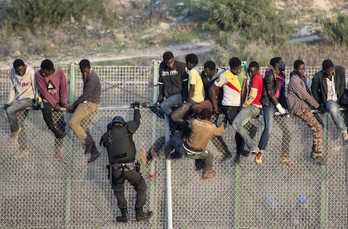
(327, 88)
(172, 83)
(274, 99)
(121, 152)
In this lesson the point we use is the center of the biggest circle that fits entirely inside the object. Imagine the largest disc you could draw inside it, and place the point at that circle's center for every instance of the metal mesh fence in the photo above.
(38, 192)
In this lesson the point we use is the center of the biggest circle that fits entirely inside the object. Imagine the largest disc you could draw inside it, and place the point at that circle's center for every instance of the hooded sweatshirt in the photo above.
(53, 88)
(24, 86)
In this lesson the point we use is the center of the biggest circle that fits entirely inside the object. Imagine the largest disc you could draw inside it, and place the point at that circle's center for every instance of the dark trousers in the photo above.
(48, 116)
(134, 178)
(231, 112)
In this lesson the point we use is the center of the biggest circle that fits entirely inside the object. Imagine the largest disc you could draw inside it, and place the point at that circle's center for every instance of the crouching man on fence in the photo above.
(194, 146)
(121, 151)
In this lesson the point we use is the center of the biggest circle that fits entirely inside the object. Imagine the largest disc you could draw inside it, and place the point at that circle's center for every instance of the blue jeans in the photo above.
(11, 111)
(176, 143)
(268, 115)
(241, 119)
(332, 107)
(166, 105)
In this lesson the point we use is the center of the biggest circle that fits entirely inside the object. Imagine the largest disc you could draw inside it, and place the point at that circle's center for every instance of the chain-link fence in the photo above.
(38, 192)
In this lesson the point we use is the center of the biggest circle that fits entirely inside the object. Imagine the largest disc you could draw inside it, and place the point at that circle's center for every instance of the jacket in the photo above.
(319, 85)
(299, 97)
(172, 81)
(270, 84)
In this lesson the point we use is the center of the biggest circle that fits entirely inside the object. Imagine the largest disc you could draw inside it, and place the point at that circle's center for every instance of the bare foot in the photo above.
(23, 154)
(143, 156)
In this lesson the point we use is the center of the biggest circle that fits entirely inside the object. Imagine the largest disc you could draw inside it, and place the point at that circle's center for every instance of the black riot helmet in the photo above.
(118, 119)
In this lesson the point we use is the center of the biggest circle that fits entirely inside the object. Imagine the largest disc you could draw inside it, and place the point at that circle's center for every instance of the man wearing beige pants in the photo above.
(85, 107)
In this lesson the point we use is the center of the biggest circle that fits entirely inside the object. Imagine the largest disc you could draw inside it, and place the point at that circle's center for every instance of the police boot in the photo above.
(124, 218)
(141, 216)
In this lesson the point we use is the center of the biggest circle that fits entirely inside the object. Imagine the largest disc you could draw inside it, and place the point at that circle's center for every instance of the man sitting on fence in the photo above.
(23, 82)
(194, 146)
(85, 107)
(195, 93)
(121, 151)
(300, 102)
(250, 108)
(172, 83)
(53, 90)
(233, 82)
(273, 99)
(328, 87)
(209, 75)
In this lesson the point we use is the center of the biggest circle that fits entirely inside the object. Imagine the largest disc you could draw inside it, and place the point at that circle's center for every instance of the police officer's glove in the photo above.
(135, 105)
(322, 109)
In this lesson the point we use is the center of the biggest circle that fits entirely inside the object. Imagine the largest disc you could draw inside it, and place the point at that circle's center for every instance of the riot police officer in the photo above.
(121, 151)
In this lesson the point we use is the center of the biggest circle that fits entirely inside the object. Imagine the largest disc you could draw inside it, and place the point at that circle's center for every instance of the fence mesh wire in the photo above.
(38, 192)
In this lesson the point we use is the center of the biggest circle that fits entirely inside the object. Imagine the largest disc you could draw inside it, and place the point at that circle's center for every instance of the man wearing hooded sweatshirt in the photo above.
(273, 99)
(53, 89)
(172, 83)
(22, 96)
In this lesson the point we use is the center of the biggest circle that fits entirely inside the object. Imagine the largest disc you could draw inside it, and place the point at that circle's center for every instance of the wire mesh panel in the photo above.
(121, 85)
(38, 192)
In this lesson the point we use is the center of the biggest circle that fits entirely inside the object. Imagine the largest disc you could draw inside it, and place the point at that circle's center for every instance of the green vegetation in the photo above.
(336, 28)
(252, 20)
(251, 30)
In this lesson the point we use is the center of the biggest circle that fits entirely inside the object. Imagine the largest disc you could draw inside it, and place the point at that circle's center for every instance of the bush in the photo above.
(336, 28)
(46, 13)
(251, 19)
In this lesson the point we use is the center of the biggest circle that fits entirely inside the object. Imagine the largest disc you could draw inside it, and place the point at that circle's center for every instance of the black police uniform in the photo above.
(121, 151)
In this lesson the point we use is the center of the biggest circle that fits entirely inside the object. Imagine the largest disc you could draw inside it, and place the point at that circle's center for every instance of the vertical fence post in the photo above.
(323, 205)
(153, 139)
(169, 178)
(70, 156)
(237, 199)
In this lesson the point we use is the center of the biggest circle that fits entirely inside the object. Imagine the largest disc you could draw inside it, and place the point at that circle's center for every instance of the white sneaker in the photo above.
(253, 153)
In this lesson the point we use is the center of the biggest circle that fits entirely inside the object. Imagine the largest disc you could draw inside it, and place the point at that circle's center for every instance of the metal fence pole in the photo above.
(237, 199)
(70, 147)
(169, 178)
(323, 205)
(153, 138)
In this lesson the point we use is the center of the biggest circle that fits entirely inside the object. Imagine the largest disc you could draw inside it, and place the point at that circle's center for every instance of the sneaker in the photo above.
(286, 161)
(344, 134)
(258, 158)
(15, 135)
(23, 154)
(320, 159)
(206, 176)
(253, 153)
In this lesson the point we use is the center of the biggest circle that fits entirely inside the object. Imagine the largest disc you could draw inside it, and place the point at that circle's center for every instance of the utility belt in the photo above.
(124, 166)
(190, 151)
